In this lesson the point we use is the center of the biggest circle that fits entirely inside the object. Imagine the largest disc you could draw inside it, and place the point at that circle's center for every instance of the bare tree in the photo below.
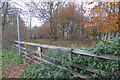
(44, 12)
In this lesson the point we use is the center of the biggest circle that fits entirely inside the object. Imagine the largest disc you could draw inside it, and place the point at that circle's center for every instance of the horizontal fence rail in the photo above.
(78, 51)
(104, 56)
(46, 46)
(39, 52)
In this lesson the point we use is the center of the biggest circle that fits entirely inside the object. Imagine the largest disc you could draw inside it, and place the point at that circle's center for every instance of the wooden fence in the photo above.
(70, 51)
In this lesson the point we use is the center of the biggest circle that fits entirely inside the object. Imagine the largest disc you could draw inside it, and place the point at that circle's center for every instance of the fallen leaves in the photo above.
(14, 70)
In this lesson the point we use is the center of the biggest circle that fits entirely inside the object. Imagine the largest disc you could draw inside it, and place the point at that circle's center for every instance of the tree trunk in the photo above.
(63, 33)
(51, 23)
(4, 12)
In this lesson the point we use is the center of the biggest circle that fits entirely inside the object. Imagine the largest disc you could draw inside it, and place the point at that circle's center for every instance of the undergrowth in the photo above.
(107, 46)
(44, 70)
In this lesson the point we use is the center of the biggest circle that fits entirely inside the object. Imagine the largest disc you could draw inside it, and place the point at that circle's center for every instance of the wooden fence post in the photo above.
(24, 60)
(70, 54)
(24, 56)
(70, 58)
(40, 51)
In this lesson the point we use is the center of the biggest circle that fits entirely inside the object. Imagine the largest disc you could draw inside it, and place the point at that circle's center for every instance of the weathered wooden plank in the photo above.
(31, 59)
(25, 49)
(98, 71)
(20, 47)
(105, 56)
(51, 63)
(52, 57)
(25, 53)
(80, 66)
(75, 73)
(81, 76)
(74, 64)
(46, 46)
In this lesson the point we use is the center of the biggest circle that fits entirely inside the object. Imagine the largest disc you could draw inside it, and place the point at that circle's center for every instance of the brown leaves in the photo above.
(69, 12)
(13, 70)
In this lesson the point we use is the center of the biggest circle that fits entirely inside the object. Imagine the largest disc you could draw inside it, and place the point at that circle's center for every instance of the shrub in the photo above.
(106, 46)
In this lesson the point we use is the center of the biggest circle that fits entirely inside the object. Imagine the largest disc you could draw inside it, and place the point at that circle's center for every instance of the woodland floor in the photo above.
(66, 43)
(11, 67)
(13, 71)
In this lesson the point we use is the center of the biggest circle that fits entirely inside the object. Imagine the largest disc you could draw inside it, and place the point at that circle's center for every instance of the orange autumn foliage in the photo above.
(103, 18)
